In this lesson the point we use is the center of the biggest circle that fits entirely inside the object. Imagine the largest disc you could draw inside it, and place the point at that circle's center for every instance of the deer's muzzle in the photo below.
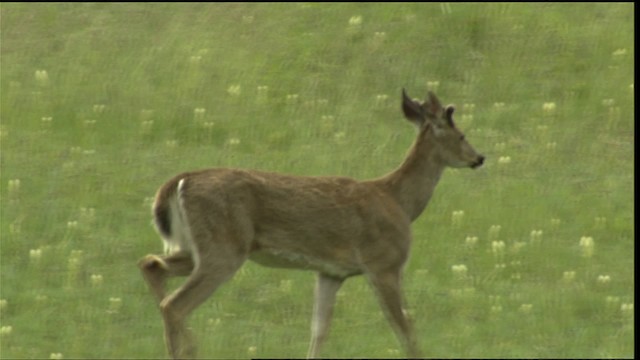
(478, 162)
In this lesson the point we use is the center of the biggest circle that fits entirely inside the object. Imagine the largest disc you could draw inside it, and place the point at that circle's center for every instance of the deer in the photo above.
(211, 221)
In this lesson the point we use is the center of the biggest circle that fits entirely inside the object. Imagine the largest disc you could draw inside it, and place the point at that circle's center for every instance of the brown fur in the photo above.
(336, 226)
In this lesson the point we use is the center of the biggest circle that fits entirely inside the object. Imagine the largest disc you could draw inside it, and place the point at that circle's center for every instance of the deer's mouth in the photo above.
(478, 162)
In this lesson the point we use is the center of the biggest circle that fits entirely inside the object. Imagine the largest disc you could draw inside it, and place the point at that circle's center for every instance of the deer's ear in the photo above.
(432, 105)
(412, 109)
(448, 114)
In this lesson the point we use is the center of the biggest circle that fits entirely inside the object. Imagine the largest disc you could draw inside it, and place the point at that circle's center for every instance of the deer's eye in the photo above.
(461, 137)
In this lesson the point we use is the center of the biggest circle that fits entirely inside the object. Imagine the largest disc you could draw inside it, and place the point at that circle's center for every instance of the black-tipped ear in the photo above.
(448, 114)
(432, 105)
(412, 109)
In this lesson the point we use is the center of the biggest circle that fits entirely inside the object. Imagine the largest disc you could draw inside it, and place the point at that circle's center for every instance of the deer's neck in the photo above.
(413, 182)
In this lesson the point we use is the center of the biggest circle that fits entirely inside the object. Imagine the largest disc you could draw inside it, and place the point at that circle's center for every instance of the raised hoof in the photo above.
(152, 262)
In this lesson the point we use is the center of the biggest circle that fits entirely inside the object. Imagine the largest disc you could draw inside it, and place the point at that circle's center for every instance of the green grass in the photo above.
(295, 88)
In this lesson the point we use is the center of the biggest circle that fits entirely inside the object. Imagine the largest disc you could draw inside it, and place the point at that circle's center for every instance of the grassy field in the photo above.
(529, 256)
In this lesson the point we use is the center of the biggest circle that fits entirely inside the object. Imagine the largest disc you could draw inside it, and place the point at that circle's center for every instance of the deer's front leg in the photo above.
(388, 288)
(325, 298)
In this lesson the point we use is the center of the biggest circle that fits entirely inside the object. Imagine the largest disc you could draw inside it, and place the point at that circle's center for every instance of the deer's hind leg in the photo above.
(156, 269)
(218, 256)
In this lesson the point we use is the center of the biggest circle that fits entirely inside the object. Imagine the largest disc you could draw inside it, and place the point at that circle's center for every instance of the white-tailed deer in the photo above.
(213, 220)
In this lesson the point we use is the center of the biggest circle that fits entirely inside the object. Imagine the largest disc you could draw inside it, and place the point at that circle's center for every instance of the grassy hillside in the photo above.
(101, 103)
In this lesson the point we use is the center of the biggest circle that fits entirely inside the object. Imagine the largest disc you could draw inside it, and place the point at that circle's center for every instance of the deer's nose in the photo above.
(478, 162)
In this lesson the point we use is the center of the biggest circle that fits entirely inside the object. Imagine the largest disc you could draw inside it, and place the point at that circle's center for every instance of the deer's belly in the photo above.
(291, 260)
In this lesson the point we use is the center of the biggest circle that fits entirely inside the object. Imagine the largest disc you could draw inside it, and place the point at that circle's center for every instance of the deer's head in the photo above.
(437, 128)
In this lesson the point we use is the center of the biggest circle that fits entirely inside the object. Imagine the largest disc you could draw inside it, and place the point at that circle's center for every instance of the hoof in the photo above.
(152, 262)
